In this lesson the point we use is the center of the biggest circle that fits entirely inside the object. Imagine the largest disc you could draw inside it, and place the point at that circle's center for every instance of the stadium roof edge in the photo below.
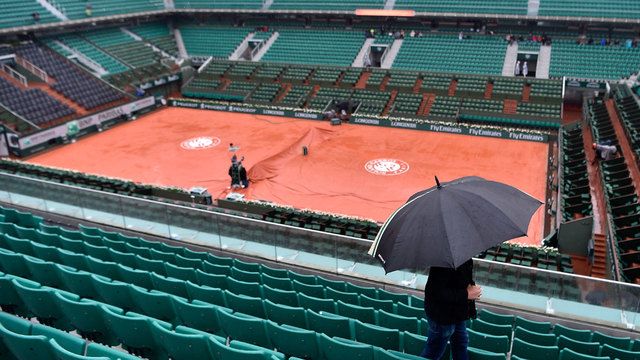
(108, 18)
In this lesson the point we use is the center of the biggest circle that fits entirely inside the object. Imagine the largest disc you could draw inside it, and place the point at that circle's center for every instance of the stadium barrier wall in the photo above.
(29, 144)
(548, 292)
(384, 122)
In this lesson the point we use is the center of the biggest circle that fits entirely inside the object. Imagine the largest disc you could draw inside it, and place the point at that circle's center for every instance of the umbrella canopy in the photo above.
(452, 222)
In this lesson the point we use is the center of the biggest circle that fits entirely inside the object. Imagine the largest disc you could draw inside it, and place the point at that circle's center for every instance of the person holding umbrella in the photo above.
(443, 228)
(450, 296)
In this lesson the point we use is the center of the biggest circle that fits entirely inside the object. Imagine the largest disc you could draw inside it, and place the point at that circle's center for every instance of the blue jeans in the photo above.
(440, 334)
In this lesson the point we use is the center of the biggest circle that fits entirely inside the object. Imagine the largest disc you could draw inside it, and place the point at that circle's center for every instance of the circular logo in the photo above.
(386, 167)
(200, 143)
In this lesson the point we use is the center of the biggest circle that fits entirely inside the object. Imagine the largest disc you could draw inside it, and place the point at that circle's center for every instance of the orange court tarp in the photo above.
(356, 170)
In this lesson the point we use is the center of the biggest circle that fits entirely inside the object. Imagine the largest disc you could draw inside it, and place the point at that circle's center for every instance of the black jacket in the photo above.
(445, 295)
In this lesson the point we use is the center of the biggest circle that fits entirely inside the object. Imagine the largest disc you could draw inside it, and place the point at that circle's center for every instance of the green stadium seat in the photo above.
(539, 327)
(615, 353)
(41, 302)
(85, 316)
(491, 343)
(623, 343)
(395, 297)
(337, 295)
(134, 332)
(181, 345)
(217, 281)
(136, 277)
(25, 346)
(525, 350)
(280, 283)
(169, 285)
(330, 324)
(393, 321)
(317, 304)
(317, 291)
(247, 328)
(364, 314)
(155, 304)
(534, 337)
(294, 341)
(336, 348)
(410, 311)
(575, 334)
(199, 315)
(115, 293)
(491, 329)
(586, 348)
(568, 354)
(246, 304)
(497, 319)
(477, 354)
(283, 314)
(216, 269)
(273, 272)
(386, 338)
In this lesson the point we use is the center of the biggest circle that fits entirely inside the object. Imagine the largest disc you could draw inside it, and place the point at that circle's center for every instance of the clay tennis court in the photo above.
(356, 170)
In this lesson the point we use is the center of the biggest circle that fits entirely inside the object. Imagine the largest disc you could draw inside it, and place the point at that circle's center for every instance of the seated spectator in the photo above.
(412, 33)
(590, 41)
(87, 11)
(604, 151)
(36, 17)
(603, 42)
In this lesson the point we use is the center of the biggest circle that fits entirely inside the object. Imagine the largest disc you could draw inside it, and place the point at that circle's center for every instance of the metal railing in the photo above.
(14, 74)
(33, 69)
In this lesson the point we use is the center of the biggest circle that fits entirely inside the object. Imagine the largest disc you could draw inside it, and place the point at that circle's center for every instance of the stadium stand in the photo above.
(476, 55)
(20, 13)
(322, 47)
(476, 6)
(157, 34)
(80, 45)
(218, 4)
(574, 184)
(125, 283)
(212, 41)
(327, 5)
(592, 61)
(32, 104)
(77, 9)
(598, 8)
(73, 83)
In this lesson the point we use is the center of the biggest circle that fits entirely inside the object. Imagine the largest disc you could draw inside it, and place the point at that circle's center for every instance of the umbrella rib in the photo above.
(505, 215)
(376, 241)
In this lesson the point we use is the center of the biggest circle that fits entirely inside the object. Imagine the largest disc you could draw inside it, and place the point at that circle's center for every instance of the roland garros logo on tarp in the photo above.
(200, 143)
(386, 167)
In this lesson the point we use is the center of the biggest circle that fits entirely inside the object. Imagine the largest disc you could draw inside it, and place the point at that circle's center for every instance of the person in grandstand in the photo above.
(518, 68)
(525, 69)
(604, 151)
(450, 296)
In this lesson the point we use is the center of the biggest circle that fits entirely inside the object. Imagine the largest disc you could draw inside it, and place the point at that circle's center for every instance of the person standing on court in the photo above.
(449, 301)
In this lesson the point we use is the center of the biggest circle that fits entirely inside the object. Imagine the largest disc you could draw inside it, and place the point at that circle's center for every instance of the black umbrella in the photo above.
(452, 222)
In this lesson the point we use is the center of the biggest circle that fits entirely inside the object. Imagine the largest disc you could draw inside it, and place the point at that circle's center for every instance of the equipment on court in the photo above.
(200, 195)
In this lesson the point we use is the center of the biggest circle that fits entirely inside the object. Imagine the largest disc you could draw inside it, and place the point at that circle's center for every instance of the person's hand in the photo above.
(474, 292)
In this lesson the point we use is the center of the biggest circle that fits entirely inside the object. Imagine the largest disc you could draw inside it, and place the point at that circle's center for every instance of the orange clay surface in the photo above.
(331, 178)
